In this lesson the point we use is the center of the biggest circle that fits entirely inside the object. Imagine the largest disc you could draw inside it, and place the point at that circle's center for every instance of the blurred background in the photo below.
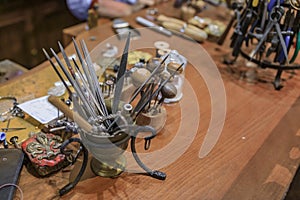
(27, 26)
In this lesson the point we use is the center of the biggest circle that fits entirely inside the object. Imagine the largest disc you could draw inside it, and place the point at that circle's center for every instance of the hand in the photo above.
(147, 2)
(113, 9)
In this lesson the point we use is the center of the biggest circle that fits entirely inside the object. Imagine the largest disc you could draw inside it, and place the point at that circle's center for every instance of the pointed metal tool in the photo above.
(156, 92)
(88, 109)
(57, 72)
(121, 76)
(94, 80)
(147, 80)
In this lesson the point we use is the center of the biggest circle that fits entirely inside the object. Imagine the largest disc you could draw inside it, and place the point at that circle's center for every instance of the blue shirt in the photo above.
(79, 8)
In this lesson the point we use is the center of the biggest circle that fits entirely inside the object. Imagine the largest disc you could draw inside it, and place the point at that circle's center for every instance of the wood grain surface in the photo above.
(255, 157)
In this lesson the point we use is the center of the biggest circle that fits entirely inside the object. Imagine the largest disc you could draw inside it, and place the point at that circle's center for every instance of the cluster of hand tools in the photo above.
(270, 30)
(105, 116)
(89, 95)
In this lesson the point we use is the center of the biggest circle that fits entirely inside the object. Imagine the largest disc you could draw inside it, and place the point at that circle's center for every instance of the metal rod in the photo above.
(57, 72)
(88, 109)
(158, 89)
(88, 90)
(78, 51)
(84, 67)
(120, 76)
(94, 77)
(66, 60)
(145, 95)
(147, 80)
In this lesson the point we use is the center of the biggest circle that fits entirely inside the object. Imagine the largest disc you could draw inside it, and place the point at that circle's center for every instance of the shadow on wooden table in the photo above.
(294, 191)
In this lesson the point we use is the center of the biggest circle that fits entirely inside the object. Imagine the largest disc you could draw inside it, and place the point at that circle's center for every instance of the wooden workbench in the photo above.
(255, 157)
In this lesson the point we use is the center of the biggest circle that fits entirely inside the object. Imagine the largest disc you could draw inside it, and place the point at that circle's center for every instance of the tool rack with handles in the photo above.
(267, 33)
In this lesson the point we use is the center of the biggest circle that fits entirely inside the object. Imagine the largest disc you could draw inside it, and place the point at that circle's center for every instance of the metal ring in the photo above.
(276, 13)
(264, 64)
(161, 45)
(8, 97)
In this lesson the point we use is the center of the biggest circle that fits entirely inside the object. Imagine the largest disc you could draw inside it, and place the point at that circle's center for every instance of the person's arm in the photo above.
(105, 8)
(112, 9)
(79, 8)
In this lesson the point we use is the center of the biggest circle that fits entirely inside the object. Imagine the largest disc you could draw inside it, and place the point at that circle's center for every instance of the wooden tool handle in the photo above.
(82, 123)
(163, 18)
(172, 26)
(61, 106)
(191, 31)
(195, 33)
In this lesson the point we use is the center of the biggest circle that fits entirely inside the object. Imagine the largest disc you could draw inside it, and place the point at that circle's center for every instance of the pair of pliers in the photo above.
(274, 20)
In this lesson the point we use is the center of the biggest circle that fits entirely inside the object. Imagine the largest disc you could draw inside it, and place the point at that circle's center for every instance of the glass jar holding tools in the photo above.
(172, 63)
(107, 149)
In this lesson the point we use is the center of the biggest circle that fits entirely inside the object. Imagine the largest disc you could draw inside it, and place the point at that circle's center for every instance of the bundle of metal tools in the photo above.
(267, 33)
(105, 122)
